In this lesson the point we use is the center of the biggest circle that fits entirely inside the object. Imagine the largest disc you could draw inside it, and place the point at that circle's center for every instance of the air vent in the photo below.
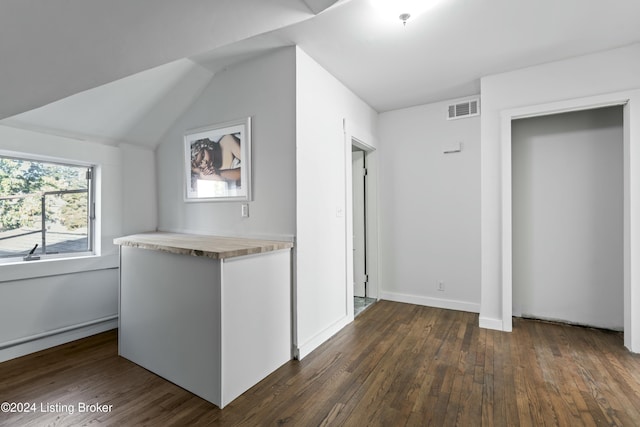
(460, 110)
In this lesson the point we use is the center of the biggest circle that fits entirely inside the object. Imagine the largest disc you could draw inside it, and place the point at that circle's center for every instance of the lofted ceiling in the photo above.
(120, 58)
(51, 49)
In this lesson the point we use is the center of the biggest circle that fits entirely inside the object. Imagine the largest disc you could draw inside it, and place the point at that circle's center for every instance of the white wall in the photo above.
(567, 174)
(602, 73)
(263, 88)
(41, 297)
(323, 156)
(140, 211)
(299, 174)
(430, 208)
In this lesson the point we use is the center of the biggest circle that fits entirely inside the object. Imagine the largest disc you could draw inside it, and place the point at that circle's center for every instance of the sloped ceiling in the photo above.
(51, 49)
(318, 6)
(136, 109)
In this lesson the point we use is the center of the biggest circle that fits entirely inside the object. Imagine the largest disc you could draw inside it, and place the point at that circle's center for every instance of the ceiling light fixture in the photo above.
(403, 9)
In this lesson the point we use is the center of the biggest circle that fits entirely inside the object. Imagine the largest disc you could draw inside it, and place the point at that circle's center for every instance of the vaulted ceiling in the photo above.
(99, 68)
(50, 49)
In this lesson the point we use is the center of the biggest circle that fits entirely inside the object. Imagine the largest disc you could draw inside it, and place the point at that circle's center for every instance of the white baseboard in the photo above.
(489, 323)
(431, 302)
(28, 345)
(315, 342)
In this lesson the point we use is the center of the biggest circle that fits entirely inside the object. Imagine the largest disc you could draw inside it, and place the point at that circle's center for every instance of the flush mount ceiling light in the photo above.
(403, 9)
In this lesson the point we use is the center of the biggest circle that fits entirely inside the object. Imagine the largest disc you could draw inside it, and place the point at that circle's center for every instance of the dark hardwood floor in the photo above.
(396, 365)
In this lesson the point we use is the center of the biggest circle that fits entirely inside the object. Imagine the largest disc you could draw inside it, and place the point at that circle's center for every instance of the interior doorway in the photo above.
(567, 217)
(631, 148)
(361, 292)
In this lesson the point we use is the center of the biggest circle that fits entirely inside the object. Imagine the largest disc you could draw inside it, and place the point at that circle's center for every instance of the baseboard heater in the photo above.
(47, 334)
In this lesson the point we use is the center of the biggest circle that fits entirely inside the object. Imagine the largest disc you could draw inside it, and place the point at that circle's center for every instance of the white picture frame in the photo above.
(217, 162)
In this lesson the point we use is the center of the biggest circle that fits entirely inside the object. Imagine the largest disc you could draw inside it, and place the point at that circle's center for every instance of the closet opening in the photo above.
(567, 179)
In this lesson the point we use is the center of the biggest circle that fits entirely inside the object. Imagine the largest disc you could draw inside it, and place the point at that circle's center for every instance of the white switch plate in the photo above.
(245, 211)
(451, 147)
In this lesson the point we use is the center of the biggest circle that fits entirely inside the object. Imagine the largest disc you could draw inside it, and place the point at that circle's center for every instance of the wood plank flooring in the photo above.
(396, 365)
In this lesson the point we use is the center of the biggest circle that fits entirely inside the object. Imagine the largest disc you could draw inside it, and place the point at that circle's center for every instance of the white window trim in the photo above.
(93, 229)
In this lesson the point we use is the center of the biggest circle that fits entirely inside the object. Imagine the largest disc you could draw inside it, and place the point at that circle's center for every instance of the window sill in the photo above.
(54, 266)
(50, 257)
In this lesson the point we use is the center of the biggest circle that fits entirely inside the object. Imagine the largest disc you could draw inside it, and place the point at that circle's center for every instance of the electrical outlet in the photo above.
(245, 211)
(441, 286)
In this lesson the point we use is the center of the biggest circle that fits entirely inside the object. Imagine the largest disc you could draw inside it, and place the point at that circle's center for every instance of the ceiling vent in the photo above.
(464, 109)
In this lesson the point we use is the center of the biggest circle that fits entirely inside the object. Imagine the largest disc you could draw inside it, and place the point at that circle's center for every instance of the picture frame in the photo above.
(217, 162)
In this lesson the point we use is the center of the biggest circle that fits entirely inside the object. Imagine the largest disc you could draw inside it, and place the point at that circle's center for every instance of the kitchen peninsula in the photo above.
(210, 314)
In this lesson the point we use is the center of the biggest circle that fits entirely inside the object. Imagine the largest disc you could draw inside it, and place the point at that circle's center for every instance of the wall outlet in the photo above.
(440, 286)
(245, 211)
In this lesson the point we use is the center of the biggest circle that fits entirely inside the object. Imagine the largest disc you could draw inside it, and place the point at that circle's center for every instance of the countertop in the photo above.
(214, 247)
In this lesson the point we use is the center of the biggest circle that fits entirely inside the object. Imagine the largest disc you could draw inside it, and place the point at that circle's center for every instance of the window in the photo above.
(46, 209)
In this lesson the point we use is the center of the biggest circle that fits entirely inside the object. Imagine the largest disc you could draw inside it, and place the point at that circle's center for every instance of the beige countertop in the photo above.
(199, 245)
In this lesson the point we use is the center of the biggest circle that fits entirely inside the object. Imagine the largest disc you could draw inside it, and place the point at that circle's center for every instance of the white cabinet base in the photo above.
(213, 327)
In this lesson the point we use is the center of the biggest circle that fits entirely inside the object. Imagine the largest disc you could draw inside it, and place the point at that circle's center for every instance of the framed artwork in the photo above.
(217, 162)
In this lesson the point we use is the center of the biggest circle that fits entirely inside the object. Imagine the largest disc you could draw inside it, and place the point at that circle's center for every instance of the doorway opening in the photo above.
(362, 294)
(567, 217)
(631, 208)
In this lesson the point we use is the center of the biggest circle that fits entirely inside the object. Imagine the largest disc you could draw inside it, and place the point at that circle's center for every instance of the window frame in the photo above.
(92, 240)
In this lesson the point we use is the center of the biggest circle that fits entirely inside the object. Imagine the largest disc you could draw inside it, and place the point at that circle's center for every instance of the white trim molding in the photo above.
(26, 345)
(631, 102)
(303, 350)
(489, 323)
(447, 304)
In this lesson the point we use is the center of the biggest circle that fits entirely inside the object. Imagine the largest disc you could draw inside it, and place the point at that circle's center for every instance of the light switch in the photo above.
(245, 210)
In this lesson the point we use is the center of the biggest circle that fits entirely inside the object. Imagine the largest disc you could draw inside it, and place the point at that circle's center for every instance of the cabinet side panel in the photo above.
(256, 319)
(170, 318)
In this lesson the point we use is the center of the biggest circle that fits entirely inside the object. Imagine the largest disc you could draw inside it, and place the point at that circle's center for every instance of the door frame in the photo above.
(359, 215)
(630, 100)
(366, 142)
